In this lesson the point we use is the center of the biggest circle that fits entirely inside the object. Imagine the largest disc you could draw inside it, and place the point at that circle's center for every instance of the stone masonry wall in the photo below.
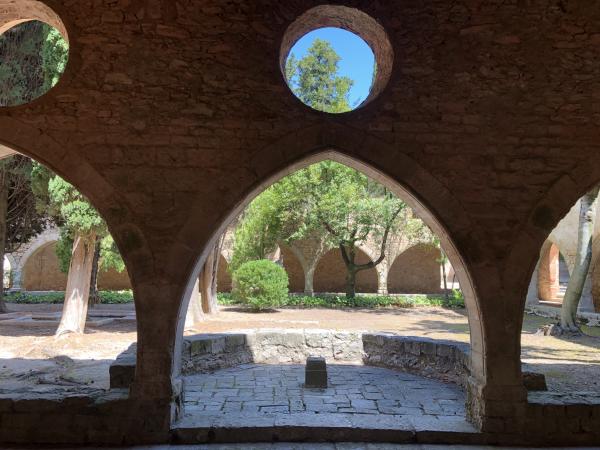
(171, 116)
(416, 271)
(330, 275)
(41, 272)
(432, 358)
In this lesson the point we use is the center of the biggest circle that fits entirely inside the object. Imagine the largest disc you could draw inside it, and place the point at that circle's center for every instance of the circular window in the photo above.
(336, 59)
(34, 56)
(330, 70)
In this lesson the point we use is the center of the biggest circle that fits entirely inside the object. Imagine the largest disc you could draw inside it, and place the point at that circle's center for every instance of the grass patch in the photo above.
(107, 297)
(361, 301)
(292, 300)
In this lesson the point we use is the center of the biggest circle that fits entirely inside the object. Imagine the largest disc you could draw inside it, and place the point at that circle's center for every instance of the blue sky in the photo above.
(357, 57)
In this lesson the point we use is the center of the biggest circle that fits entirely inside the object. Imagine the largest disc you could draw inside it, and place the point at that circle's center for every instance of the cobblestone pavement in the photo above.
(356, 393)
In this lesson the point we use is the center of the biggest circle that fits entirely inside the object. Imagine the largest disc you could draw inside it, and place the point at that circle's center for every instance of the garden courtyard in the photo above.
(31, 357)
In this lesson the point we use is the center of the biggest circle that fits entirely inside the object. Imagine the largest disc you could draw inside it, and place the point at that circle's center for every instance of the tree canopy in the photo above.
(75, 215)
(314, 79)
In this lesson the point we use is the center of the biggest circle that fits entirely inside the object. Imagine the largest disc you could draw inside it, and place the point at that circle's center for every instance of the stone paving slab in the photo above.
(263, 402)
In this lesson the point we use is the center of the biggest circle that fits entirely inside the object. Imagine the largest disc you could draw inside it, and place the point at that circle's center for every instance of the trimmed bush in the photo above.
(260, 284)
(106, 297)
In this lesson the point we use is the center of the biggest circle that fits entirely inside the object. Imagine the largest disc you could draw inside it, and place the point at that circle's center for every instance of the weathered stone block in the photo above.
(234, 341)
(316, 372)
(534, 381)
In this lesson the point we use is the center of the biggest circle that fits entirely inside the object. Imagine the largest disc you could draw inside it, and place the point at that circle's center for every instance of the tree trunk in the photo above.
(78, 286)
(94, 296)
(350, 283)
(444, 280)
(208, 284)
(568, 313)
(194, 314)
(3, 218)
(309, 281)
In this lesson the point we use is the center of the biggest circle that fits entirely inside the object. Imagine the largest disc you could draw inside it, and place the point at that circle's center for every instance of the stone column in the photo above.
(548, 274)
(382, 277)
(16, 279)
(532, 291)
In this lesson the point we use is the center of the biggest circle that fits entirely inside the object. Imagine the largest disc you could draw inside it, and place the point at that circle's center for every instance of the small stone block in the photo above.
(316, 372)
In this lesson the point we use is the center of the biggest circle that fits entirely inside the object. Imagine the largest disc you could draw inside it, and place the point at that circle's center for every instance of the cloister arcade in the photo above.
(415, 269)
(171, 116)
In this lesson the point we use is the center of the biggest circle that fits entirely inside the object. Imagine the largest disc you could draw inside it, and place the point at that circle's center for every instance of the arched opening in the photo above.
(557, 358)
(549, 274)
(281, 349)
(416, 270)
(41, 271)
(34, 203)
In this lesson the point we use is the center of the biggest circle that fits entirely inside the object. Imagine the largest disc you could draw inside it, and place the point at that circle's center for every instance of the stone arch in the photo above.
(419, 189)
(416, 271)
(331, 272)
(8, 274)
(40, 271)
(42, 239)
(548, 272)
(15, 12)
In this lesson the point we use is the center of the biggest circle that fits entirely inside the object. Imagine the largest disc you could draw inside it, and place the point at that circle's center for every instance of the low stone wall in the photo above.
(80, 417)
(432, 358)
(445, 360)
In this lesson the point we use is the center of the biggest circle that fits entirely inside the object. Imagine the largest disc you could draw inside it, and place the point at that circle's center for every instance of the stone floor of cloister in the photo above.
(31, 357)
(273, 397)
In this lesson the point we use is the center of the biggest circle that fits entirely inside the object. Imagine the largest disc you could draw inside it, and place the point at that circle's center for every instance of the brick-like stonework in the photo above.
(172, 116)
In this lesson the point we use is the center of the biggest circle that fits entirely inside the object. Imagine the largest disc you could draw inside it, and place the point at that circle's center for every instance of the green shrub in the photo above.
(107, 297)
(260, 284)
(457, 299)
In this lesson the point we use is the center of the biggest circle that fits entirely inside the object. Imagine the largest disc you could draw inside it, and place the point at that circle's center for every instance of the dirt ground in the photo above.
(31, 357)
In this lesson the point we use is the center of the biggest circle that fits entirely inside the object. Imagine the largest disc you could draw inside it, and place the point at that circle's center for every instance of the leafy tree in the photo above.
(339, 204)
(33, 56)
(85, 233)
(315, 80)
(258, 229)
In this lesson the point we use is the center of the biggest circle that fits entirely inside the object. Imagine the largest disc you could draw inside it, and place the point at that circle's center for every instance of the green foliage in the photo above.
(108, 297)
(64, 247)
(258, 230)
(457, 299)
(260, 284)
(314, 79)
(55, 54)
(329, 201)
(75, 215)
(110, 258)
(360, 301)
(34, 55)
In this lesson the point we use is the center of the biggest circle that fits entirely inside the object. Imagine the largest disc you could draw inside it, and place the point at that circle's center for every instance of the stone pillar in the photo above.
(532, 291)
(548, 274)
(382, 277)
(16, 279)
